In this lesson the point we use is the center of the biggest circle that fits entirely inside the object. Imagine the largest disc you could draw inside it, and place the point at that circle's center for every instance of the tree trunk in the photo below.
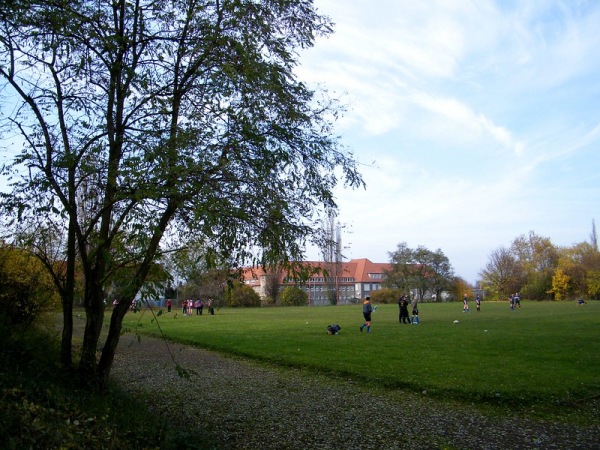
(68, 298)
(94, 309)
(66, 342)
(112, 340)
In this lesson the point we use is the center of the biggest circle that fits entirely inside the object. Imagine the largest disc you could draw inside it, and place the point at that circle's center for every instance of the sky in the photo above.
(474, 122)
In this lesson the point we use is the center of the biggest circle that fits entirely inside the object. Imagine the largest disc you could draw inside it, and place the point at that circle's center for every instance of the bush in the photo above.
(538, 287)
(292, 296)
(268, 301)
(26, 289)
(241, 295)
(385, 296)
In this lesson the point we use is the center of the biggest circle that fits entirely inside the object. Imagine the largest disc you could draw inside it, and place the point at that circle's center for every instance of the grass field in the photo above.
(540, 356)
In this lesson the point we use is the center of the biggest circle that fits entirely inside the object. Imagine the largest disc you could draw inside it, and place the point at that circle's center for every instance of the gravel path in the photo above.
(249, 406)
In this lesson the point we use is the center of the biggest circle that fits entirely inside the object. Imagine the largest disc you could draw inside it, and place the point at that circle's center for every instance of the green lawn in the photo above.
(543, 354)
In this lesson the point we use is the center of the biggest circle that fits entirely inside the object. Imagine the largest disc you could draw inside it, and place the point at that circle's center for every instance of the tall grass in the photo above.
(543, 354)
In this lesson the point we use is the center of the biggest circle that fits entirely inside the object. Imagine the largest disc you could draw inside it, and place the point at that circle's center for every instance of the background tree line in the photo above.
(532, 266)
(540, 270)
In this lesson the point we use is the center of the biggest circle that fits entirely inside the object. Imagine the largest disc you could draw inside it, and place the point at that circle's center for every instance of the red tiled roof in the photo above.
(365, 266)
(358, 269)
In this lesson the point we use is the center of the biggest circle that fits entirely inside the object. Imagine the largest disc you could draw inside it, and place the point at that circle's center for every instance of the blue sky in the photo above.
(474, 121)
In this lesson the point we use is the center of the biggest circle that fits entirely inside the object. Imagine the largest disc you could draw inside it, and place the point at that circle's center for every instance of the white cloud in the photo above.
(457, 122)
(482, 117)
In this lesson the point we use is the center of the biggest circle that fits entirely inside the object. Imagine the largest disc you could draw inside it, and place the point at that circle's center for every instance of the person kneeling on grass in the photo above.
(333, 329)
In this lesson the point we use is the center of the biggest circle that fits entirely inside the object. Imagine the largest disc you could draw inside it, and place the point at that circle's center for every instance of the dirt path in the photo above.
(248, 406)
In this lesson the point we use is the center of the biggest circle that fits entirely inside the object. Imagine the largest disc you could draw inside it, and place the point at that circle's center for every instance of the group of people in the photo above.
(466, 308)
(515, 301)
(188, 307)
(403, 302)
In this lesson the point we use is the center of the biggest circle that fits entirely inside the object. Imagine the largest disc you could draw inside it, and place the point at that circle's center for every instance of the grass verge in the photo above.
(541, 360)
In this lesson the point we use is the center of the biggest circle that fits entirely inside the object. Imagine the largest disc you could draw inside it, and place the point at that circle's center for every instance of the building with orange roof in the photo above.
(352, 280)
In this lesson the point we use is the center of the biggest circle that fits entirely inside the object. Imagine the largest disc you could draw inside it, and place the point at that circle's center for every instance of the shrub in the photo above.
(268, 301)
(241, 295)
(292, 296)
(538, 287)
(385, 296)
(26, 288)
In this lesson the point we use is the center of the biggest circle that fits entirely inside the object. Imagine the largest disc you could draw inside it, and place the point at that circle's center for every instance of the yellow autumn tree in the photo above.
(26, 288)
(560, 284)
(593, 283)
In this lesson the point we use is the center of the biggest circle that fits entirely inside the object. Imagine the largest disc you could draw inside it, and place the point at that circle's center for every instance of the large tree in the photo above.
(419, 269)
(535, 253)
(538, 259)
(142, 119)
(502, 274)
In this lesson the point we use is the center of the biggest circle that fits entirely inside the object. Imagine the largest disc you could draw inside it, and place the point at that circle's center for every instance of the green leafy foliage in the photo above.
(385, 296)
(241, 295)
(292, 296)
(26, 289)
(429, 272)
(593, 282)
(538, 286)
(538, 269)
(150, 119)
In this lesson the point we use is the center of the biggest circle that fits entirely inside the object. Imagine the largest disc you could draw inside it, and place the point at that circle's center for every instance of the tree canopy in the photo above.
(421, 269)
(538, 269)
(134, 123)
(502, 273)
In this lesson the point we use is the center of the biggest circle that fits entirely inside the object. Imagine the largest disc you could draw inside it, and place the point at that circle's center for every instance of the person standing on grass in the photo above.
(478, 303)
(400, 307)
(197, 306)
(415, 300)
(367, 310)
(466, 304)
(403, 304)
(211, 309)
(414, 320)
(169, 304)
